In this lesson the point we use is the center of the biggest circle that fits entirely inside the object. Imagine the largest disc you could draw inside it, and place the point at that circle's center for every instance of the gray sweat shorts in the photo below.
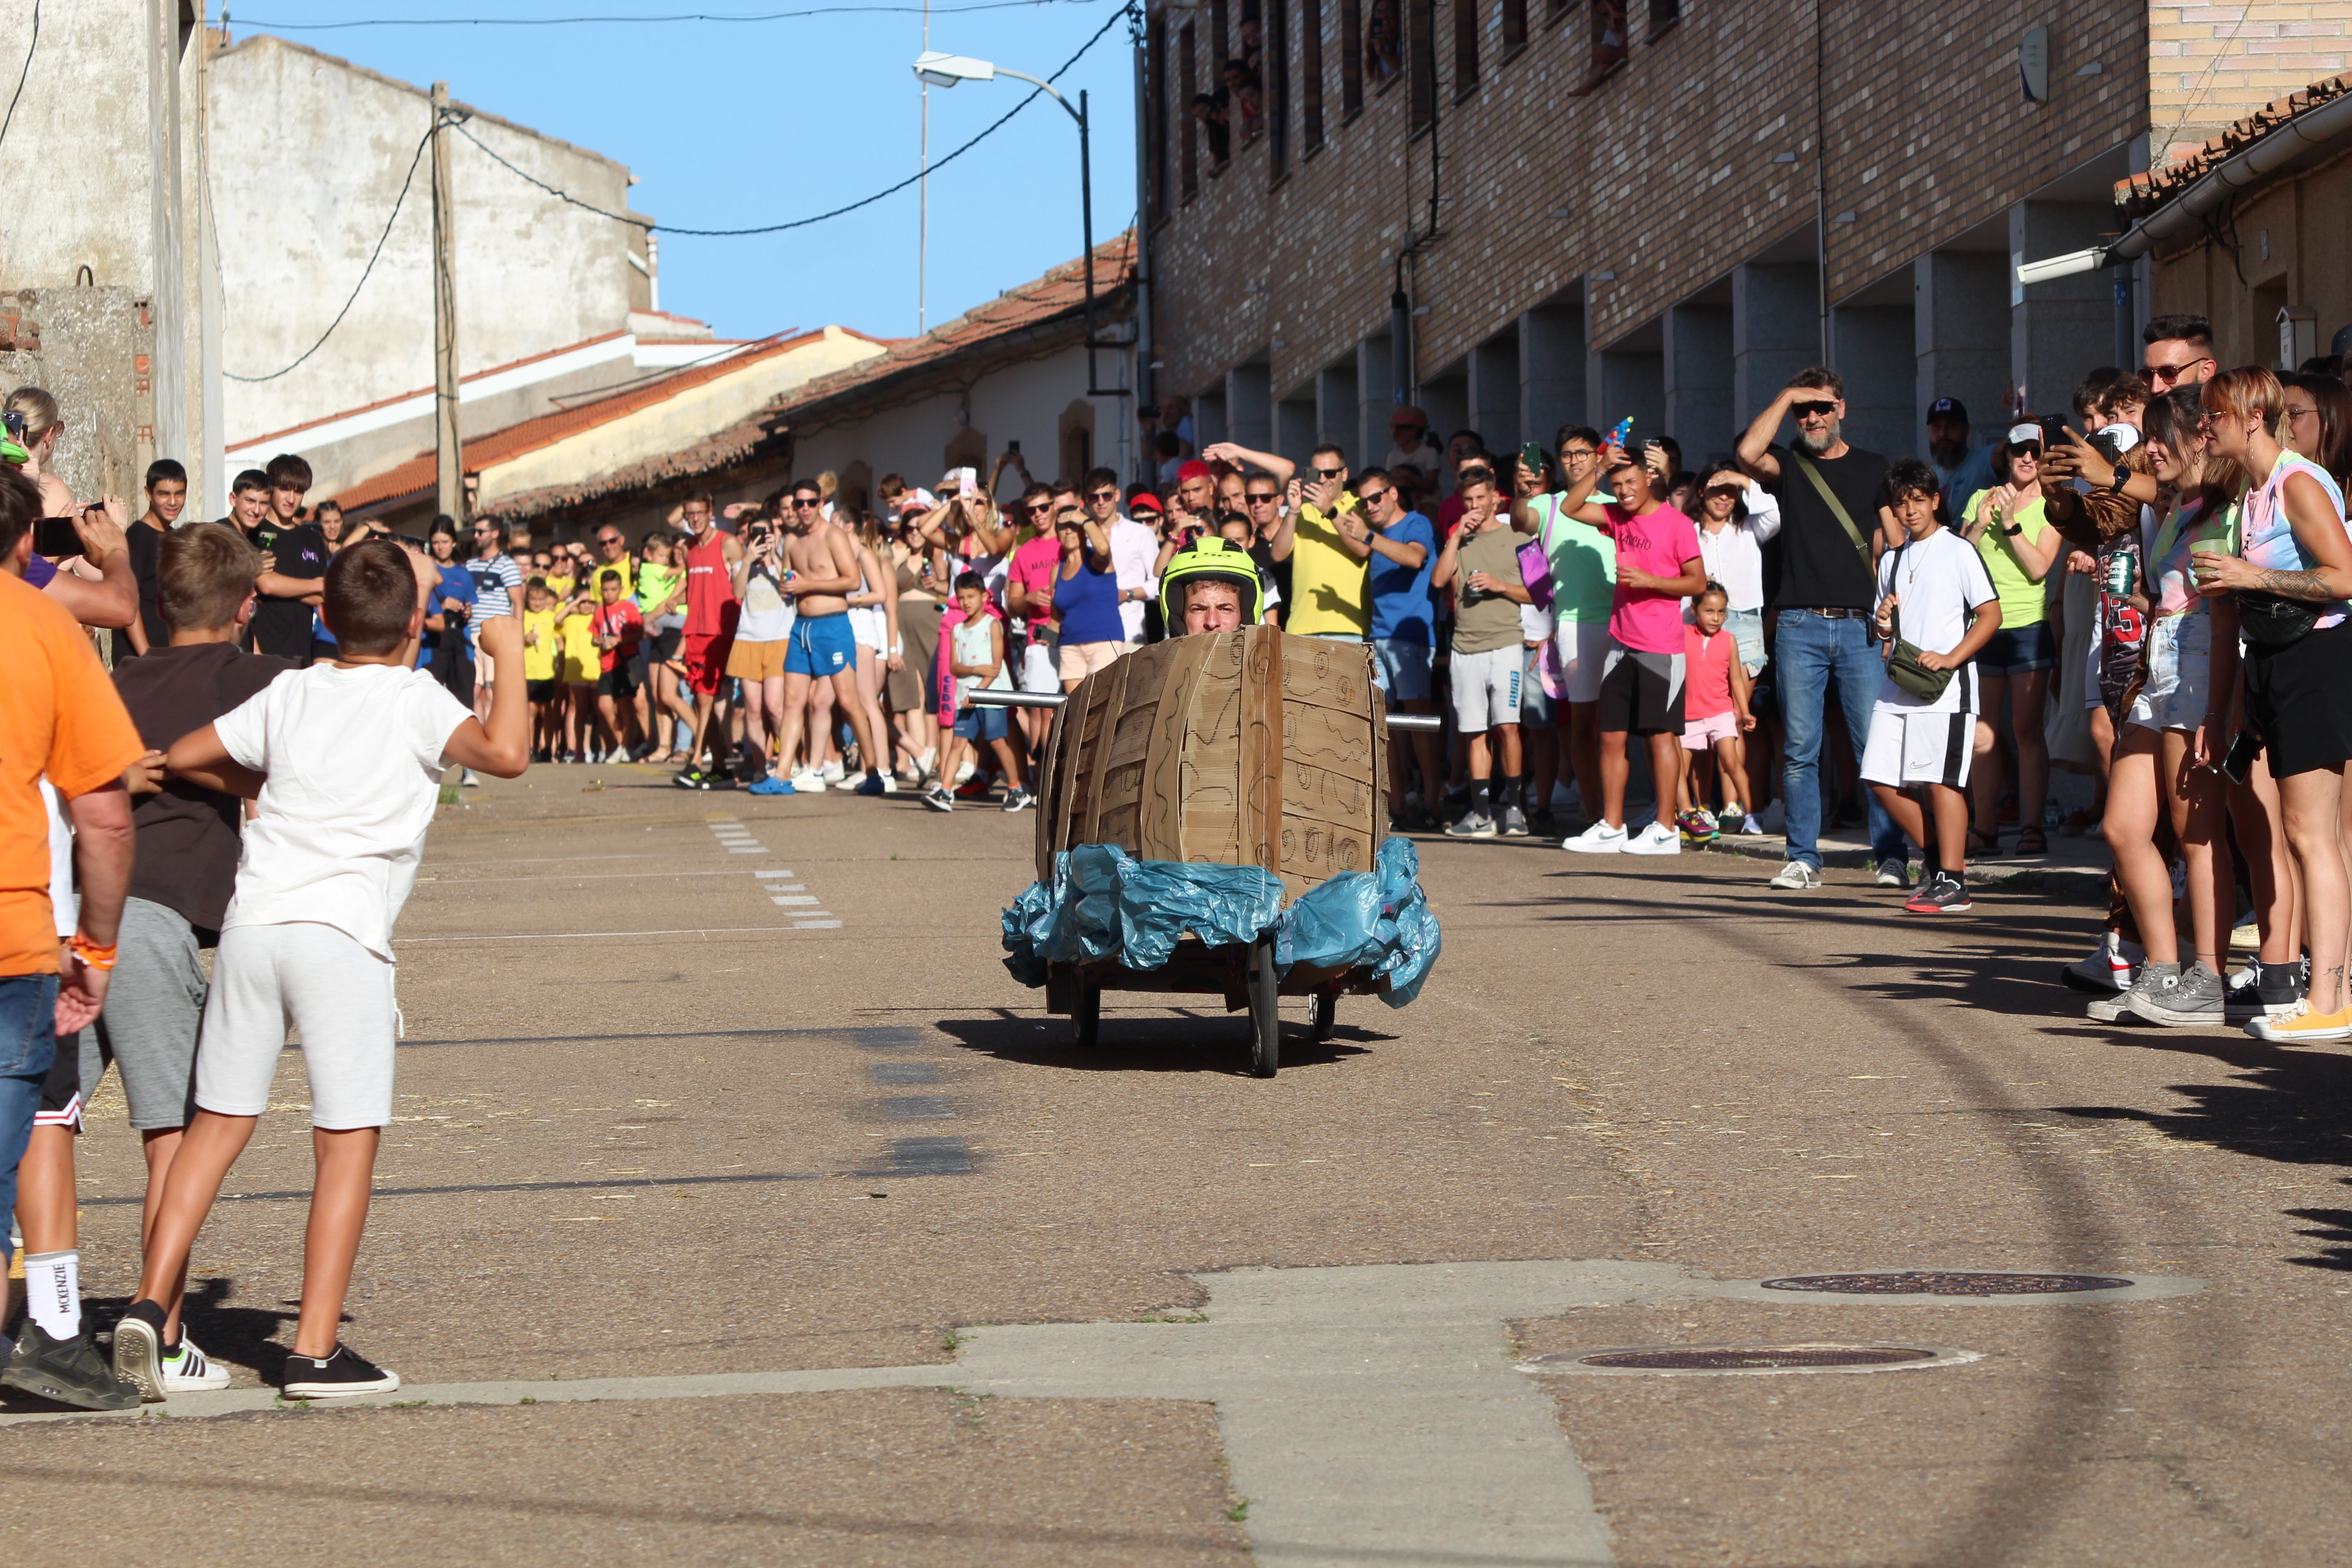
(154, 1005)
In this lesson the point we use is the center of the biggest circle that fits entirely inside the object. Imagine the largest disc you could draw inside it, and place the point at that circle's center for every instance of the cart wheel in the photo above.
(1326, 1015)
(1265, 1014)
(1086, 1015)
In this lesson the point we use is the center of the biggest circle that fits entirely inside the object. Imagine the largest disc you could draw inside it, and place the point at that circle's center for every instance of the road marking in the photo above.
(583, 935)
(816, 925)
(801, 899)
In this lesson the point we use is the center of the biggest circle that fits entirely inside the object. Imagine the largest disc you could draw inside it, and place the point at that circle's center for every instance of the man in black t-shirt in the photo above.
(167, 495)
(1834, 519)
(289, 586)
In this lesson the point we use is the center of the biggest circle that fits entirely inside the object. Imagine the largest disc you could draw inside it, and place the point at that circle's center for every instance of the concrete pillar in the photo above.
(2057, 330)
(1337, 413)
(1375, 396)
(1446, 397)
(1775, 331)
(1209, 424)
(1294, 427)
(1494, 392)
(1696, 365)
(1249, 406)
(1959, 315)
(1619, 382)
(1880, 376)
(1551, 359)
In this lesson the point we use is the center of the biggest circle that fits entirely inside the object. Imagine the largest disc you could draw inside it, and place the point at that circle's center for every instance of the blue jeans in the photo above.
(28, 1044)
(1808, 649)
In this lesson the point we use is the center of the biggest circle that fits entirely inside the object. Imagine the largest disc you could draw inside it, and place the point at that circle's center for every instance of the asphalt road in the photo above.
(659, 1124)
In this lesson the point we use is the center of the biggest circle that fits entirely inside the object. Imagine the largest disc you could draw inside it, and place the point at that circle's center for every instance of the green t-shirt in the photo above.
(1583, 562)
(1483, 622)
(2024, 601)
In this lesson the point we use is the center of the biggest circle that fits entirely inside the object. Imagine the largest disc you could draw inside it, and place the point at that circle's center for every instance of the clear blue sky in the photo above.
(729, 125)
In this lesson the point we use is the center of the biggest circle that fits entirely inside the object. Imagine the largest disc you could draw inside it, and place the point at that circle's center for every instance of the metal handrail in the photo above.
(1055, 700)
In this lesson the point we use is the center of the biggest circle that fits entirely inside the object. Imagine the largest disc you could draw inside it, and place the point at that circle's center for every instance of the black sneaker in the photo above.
(139, 1348)
(692, 778)
(2268, 992)
(70, 1371)
(1941, 894)
(345, 1372)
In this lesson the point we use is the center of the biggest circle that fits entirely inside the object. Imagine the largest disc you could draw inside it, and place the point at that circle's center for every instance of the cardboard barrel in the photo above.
(1242, 748)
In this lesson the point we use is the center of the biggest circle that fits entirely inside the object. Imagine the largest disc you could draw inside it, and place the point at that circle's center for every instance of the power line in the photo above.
(676, 16)
(414, 159)
(23, 74)
(649, 225)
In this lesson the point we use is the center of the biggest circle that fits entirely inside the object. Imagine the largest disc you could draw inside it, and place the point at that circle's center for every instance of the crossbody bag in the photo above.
(1903, 666)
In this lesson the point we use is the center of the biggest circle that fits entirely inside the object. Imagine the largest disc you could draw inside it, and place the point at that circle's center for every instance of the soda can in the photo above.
(2121, 569)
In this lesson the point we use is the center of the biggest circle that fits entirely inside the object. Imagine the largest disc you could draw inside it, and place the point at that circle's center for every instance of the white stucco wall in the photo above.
(1021, 403)
(308, 153)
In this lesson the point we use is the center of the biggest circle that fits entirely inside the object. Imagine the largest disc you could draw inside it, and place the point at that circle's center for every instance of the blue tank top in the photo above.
(1089, 606)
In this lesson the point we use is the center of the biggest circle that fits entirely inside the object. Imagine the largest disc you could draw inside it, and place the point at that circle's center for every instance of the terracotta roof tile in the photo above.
(2142, 194)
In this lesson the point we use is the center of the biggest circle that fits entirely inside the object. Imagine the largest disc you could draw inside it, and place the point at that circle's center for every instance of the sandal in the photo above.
(1983, 845)
(2031, 840)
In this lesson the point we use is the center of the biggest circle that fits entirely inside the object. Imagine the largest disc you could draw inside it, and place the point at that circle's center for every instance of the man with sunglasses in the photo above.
(1834, 512)
(2176, 351)
(1319, 576)
(1400, 548)
(1133, 547)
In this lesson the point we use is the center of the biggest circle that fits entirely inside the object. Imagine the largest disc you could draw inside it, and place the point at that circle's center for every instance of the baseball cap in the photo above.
(1407, 411)
(2027, 431)
(1147, 501)
(1949, 408)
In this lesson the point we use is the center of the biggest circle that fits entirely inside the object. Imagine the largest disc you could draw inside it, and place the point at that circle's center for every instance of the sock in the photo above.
(1481, 796)
(1512, 792)
(53, 1292)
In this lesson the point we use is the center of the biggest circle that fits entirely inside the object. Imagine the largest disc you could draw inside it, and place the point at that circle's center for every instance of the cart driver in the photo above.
(1211, 588)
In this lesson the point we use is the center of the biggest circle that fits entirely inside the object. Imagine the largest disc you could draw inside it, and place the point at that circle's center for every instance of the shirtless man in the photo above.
(822, 563)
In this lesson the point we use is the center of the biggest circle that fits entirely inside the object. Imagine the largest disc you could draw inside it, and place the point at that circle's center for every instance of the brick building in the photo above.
(1517, 213)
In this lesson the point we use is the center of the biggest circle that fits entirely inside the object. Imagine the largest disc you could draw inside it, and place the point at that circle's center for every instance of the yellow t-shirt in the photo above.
(538, 654)
(1329, 586)
(2024, 601)
(580, 654)
(558, 587)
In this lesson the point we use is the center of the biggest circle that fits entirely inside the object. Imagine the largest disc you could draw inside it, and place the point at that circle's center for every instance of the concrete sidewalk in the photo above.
(2074, 872)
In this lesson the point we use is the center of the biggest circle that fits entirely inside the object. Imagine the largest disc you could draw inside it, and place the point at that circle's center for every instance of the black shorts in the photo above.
(666, 642)
(541, 691)
(618, 681)
(61, 1089)
(1642, 693)
(2300, 697)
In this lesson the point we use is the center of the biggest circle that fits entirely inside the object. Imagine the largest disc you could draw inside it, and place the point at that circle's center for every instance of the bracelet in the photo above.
(92, 955)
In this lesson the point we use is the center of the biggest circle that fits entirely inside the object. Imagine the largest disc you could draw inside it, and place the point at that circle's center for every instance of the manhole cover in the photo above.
(1671, 1360)
(1947, 1283)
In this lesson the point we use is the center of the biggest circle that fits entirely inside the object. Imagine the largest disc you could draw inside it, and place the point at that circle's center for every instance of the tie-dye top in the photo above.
(2186, 532)
(2267, 538)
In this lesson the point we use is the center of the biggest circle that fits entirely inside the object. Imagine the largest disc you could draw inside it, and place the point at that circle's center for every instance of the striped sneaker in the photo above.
(187, 1369)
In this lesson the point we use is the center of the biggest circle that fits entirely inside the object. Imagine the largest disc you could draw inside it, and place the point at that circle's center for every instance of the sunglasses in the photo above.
(1373, 497)
(1809, 410)
(798, 501)
(2157, 372)
(1329, 473)
(2026, 449)
(1263, 498)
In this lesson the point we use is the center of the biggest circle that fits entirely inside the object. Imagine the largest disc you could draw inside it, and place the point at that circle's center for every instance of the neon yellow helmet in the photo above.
(1210, 560)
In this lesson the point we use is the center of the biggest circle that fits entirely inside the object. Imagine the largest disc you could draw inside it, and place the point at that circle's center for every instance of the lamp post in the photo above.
(941, 70)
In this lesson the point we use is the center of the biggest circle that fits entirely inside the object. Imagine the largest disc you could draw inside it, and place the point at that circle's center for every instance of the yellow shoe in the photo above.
(2303, 1027)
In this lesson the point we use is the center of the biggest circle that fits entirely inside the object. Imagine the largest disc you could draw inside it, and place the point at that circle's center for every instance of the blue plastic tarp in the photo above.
(1104, 903)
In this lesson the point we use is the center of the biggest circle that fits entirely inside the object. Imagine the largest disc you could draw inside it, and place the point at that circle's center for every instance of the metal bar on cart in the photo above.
(1056, 699)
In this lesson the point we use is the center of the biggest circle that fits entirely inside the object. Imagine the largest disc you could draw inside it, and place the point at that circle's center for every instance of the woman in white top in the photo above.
(1736, 516)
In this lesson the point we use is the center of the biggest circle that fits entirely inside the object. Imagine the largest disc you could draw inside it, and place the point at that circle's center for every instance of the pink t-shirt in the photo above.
(1658, 543)
(1033, 565)
(1706, 674)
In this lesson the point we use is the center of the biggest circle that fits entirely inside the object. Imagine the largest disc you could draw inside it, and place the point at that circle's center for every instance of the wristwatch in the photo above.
(2115, 485)
(2010, 531)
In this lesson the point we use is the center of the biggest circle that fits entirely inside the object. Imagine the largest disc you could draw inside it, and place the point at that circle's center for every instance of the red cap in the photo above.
(1195, 469)
(1147, 501)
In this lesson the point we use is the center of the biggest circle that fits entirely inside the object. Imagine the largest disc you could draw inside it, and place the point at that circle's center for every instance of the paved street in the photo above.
(728, 1103)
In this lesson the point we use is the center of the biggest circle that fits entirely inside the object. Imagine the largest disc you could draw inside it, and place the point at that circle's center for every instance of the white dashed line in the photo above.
(773, 880)
(794, 899)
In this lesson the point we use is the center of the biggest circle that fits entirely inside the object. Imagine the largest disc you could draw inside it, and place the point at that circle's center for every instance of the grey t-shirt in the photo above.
(1483, 622)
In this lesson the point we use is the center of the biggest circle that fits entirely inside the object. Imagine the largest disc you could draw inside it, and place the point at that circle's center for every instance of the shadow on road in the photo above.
(1188, 1041)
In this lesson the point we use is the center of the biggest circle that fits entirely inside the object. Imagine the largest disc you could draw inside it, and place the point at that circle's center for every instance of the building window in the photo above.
(1187, 85)
(1466, 48)
(1609, 45)
(1310, 74)
(1351, 55)
(1384, 42)
(1514, 26)
(1220, 42)
(1155, 65)
(1273, 70)
(1420, 62)
(1664, 15)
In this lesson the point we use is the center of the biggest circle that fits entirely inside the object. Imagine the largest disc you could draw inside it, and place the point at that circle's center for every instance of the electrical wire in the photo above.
(414, 159)
(678, 17)
(938, 163)
(23, 74)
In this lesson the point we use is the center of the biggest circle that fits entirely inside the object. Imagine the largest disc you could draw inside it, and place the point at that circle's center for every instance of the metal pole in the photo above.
(449, 486)
(1143, 380)
(1087, 224)
(923, 203)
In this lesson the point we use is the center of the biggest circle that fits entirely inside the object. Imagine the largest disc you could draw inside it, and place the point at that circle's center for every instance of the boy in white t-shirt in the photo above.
(1936, 597)
(344, 761)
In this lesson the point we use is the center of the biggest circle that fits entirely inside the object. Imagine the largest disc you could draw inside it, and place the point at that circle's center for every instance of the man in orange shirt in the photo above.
(59, 719)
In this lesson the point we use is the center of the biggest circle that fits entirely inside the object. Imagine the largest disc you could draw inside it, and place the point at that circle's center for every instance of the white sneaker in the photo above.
(1658, 838)
(964, 771)
(808, 780)
(833, 771)
(2110, 967)
(1598, 839)
(468, 780)
(190, 1370)
(1794, 876)
(1753, 827)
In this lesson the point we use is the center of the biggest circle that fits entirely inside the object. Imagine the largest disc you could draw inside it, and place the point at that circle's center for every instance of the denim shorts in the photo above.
(2018, 650)
(1747, 629)
(982, 724)
(2179, 665)
(1401, 668)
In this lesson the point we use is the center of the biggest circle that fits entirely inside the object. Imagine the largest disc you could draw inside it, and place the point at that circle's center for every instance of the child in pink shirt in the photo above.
(1715, 717)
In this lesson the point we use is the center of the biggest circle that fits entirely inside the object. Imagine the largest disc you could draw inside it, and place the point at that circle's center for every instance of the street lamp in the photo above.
(936, 69)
